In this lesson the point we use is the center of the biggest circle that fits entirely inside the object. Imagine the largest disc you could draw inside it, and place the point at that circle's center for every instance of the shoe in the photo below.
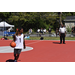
(60, 43)
(15, 60)
(64, 43)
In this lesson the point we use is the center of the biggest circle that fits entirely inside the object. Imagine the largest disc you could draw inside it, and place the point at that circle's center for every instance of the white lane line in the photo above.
(8, 49)
(33, 42)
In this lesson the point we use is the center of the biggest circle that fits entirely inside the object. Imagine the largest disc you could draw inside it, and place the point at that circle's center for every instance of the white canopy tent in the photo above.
(5, 24)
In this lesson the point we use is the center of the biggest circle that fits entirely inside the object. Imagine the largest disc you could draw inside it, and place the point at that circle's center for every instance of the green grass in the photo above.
(51, 38)
(45, 38)
(9, 37)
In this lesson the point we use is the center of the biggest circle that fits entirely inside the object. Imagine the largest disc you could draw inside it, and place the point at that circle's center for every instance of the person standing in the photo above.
(62, 33)
(57, 31)
(18, 38)
(30, 31)
(49, 30)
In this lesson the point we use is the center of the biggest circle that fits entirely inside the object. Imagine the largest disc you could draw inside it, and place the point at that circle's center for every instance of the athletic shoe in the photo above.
(15, 60)
(64, 43)
(60, 43)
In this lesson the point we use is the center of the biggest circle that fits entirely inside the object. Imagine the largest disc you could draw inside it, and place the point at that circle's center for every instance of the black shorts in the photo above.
(17, 51)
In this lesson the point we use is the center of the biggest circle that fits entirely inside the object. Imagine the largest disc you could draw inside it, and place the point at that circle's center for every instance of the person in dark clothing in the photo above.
(49, 30)
(57, 31)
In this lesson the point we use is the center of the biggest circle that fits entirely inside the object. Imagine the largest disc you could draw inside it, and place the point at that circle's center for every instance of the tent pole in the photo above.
(4, 29)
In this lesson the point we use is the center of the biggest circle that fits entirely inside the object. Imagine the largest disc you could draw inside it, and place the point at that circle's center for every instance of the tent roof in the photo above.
(6, 24)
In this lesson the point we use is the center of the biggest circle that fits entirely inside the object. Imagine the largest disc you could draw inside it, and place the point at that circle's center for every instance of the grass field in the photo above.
(51, 38)
(45, 38)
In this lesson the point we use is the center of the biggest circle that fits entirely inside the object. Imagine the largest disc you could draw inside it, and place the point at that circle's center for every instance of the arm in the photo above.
(65, 31)
(14, 38)
(59, 32)
(24, 42)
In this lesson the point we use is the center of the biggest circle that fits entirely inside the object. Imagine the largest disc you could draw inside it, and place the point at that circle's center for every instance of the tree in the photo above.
(34, 20)
(4, 15)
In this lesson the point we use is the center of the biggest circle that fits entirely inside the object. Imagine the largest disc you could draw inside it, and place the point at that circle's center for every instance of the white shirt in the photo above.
(38, 30)
(44, 30)
(62, 29)
(19, 42)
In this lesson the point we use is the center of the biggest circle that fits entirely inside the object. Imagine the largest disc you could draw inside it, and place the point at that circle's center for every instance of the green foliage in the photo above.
(34, 20)
(69, 29)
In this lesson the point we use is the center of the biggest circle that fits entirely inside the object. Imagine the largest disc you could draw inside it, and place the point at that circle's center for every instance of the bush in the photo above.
(68, 29)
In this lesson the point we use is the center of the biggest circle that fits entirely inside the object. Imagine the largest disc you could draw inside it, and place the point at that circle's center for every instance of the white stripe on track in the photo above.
(33, 42)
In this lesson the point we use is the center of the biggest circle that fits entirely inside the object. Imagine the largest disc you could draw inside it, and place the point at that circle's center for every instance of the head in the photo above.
(56, 28)
(20, 30)
(62, 25)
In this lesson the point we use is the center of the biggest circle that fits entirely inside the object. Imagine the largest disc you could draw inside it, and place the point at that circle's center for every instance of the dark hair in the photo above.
(19, 29)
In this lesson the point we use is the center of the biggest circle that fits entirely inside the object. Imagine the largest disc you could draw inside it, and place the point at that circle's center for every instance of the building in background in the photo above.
(69, 21)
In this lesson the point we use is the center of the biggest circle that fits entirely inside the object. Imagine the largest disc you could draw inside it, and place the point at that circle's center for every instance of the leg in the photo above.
(56, 34)
(60, 38)
(18, 53)
(17, 56)
(14, 56)
(64, 38)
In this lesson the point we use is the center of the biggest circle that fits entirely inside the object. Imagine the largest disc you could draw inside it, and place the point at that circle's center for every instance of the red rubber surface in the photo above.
(43, 51)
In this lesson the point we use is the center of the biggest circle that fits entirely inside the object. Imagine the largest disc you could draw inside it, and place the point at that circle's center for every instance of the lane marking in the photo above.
(33, 42)
(8, 49)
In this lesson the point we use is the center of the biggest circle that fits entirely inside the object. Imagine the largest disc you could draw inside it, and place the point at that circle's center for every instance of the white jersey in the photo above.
(19, 42)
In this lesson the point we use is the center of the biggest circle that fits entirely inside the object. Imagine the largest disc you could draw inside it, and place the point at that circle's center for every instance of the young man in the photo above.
(62, 34)
(18, 38)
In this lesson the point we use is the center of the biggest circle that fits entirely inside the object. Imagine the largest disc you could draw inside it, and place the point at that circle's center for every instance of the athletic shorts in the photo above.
(17, 51)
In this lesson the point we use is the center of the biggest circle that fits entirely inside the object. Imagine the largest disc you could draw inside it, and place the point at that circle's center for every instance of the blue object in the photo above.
(27, 37)
(8, 33)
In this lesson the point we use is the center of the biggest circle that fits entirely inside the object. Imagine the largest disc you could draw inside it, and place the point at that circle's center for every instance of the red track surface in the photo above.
(43, 51)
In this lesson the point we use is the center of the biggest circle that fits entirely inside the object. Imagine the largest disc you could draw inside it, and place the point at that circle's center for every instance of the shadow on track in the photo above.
(56, 42)
(10, 60)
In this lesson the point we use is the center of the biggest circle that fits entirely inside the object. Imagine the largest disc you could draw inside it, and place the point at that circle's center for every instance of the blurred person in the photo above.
(30, 31)
(44, 30)
(41, 31)
(72, 29)
(49, 30)
(38, 30)
(57, 32)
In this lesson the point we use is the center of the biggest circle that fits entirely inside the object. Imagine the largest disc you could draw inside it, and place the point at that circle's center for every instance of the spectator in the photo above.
(44, 30)
(30, 31)
(57, 32)
(38, 30)
(41, 30)
(49, 30)
(72, 29)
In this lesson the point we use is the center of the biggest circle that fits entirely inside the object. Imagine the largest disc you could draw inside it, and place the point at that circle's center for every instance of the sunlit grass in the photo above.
(45, 38)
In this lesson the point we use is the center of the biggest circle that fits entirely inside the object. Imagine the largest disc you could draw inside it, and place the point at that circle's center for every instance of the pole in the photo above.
(60, 19)
(4, 29)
